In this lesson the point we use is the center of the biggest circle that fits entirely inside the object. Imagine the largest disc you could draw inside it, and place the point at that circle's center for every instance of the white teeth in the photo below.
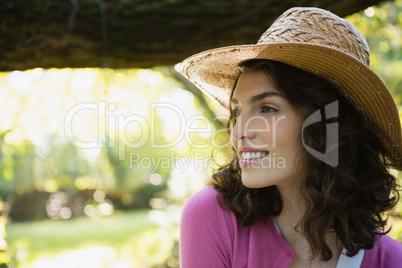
(248, 155)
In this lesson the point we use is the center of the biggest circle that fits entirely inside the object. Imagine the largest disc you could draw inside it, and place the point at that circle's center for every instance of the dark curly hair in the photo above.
(348, 199)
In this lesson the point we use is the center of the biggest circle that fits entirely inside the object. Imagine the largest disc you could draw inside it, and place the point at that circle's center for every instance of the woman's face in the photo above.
(266, 136)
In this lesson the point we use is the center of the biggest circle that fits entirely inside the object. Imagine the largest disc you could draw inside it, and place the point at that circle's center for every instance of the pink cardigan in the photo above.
(210, 237)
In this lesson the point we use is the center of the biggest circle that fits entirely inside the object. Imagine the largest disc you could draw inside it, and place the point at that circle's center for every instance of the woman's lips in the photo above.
(251, 157)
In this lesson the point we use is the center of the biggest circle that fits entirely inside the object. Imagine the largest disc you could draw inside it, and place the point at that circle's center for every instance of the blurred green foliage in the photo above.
(146, 153)
(381, 26)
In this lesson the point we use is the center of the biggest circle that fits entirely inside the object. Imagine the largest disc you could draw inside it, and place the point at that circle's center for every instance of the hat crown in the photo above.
(318, 27)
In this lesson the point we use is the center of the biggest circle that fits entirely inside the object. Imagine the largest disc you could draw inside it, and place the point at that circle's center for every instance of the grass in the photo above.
(124, 239)
(128, 233)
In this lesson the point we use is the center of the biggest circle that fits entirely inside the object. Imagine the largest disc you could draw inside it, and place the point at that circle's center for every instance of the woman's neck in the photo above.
(294, 207)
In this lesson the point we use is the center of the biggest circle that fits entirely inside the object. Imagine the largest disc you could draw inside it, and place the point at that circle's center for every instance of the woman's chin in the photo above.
(254, 183)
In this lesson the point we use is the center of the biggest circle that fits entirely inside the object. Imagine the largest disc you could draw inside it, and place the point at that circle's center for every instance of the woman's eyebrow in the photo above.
(259, 97)
(263, 96)
(234, 101)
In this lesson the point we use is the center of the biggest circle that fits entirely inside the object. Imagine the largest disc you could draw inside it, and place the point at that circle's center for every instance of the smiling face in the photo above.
(266, 135)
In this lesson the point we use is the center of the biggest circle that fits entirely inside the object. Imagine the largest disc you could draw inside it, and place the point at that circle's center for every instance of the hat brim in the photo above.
(215, 72)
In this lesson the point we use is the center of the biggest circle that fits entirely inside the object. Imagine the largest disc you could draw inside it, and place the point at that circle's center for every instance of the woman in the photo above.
(313, 131)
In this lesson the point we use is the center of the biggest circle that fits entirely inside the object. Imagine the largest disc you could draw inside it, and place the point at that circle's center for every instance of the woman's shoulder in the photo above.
(206, 210)
(206, 231)
(386, 244)
(205, 202)
(206, 196)
(386, 252)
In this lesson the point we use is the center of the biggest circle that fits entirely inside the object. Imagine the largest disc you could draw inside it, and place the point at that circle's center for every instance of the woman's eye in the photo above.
(237, 112)
(268, 109)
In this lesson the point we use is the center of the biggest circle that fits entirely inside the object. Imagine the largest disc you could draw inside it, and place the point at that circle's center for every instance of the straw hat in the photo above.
(318, 42)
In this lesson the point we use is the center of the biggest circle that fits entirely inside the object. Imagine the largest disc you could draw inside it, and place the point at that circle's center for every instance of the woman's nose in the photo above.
(244, 128)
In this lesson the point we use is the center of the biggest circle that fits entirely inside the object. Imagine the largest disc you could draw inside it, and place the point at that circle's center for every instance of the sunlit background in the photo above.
(96, 163)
